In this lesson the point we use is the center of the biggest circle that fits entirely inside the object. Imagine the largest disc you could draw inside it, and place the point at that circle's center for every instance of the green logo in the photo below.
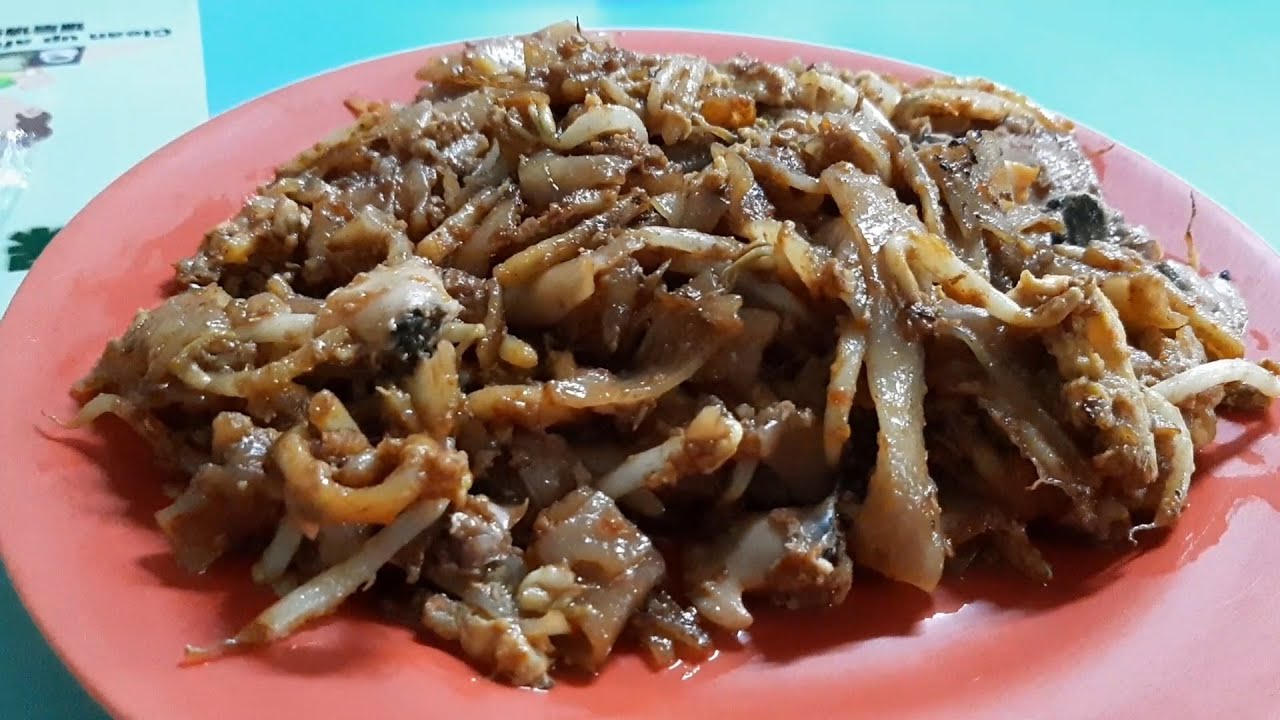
(25, 247)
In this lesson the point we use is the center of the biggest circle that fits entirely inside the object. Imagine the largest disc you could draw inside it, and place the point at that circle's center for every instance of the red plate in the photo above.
(1187, 628)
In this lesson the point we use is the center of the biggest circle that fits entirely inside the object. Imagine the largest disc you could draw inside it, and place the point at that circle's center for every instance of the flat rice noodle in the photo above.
(677, 345)
(1047, 119)
(483, 61)
(861, 139)
(602, 391)
(908, 165)
(1009, 237)
(738, 364)
(769, 168)
(618, 290)
(958, 199)
(440, 243)
(705, 246)
(679, 342)
(615, 563)
(897, 528)
(564, 287)
(546, 178)
(851, 344)
(498, 226)
(824, 92)
(196, 527)
(929, 256)
(370, 226)
(694, 207)
(526, 265)
(747, 200)
(600, 120)
(963, 102)
(884, 91)
(494, 169)
(559, 290)
(776, 297)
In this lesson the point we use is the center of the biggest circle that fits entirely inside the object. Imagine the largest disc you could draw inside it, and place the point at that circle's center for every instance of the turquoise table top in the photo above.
(1191, 85)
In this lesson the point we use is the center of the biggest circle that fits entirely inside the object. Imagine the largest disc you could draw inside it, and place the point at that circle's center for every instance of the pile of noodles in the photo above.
(512, 353)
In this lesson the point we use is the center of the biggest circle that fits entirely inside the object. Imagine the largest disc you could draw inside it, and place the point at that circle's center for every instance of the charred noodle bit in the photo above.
(480, 350)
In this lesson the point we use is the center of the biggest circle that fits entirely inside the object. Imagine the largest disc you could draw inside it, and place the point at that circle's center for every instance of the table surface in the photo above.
(1191, 85)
